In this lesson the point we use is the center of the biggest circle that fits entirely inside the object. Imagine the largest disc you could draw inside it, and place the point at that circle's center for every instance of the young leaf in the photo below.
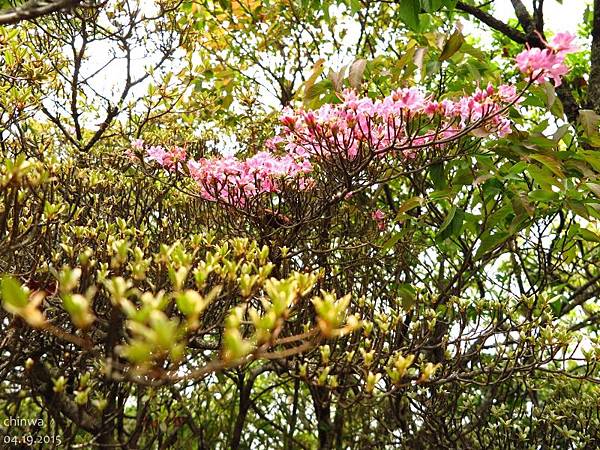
(438, 176)
(357, 69)
(12, 292)
(452, 45)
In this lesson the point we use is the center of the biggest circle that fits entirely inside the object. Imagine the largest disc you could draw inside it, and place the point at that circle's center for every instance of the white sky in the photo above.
(565, 17)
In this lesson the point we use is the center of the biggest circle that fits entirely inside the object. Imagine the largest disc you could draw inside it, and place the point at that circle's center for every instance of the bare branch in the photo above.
(594, 87)
(35, 9)
(523, 15)
(488, 19)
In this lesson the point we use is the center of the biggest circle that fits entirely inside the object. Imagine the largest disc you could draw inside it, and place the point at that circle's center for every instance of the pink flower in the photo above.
(174, 156)
(379, 217)
(273, 142)
(347, 135)
(138, 144)
(169, 159)
(432, 108)
(409, 98)
(156, 153)
(507, 93)
(549, 63)
(542, 64)
(563, 42)
(129, 153)
(234, 181)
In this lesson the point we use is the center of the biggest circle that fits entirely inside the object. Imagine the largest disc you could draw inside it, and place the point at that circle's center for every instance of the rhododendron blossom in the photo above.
(379, 217)
(399, 127)
(168, 158)
(563, 43)
(384, 127)
(358, 126)
(548, 63)
(233, 180)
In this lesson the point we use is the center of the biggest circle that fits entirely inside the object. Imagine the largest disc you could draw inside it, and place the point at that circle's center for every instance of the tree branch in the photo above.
(35, 9)
(512, 33)
(523, 15)
(538, 14)
(594, 86)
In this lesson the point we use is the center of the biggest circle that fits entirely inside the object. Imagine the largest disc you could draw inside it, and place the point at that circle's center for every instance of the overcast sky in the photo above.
(565, 17)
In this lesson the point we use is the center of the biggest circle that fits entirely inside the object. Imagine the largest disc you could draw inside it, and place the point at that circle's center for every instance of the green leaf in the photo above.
(543, 177)
(452, 45)
(556, 306)
(551, 163)
(557, 109)
(355, 6)
(543, 196)
(560, 133)
(453, 224)
(325, 7)
(137, 351)
(409, 204)
(432, 5)
(463, 177)
(409, 13)
(592, 157)
(438, 176)
(408, 296)
(521, 206)
(498, 218)
(408, 55)
(316, 73)
(391, 241)
(534, 141)
(594, 187)
(450, 4)
(225, 4)
(578, 207)
(449, 218)
(588, 235)
(12, 292)
(550, 94)
(314, 91)
(490, 242)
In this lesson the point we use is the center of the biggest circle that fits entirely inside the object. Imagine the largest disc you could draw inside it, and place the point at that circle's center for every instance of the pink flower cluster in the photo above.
(397, 125)
(168, 158)
(233, 181)
(229, 179)
(548, 63)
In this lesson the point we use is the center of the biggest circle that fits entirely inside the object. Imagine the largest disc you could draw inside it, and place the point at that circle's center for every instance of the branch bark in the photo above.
(524, 17)
(512, 33)
(35, 9)
(58, 402)
(594, 86)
